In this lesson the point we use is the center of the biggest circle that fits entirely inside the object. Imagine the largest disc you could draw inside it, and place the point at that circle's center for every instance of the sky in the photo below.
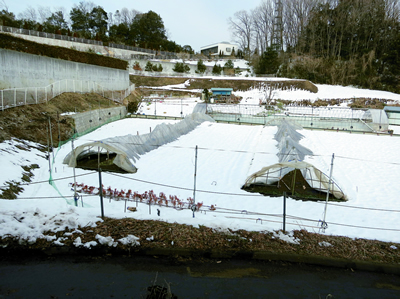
(196, 23)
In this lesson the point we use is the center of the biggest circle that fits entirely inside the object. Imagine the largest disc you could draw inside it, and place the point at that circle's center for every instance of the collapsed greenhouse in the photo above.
(298, 179)
(120, 153)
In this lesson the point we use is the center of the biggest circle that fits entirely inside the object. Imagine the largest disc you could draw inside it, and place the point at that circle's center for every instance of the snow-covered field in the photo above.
(367, 167)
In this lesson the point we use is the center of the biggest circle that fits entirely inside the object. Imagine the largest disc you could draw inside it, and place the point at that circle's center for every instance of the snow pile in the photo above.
(289, 238)
(130, 240)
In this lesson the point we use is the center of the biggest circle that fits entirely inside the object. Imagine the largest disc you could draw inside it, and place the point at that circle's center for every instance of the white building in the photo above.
(223, 48)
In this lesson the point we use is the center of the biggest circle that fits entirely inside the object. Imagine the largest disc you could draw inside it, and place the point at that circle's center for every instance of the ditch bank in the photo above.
(193, 255)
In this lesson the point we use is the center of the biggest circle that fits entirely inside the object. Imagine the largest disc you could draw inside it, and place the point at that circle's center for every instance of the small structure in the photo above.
(221, 95)
(223, 49)
(299, 179)
(393, 114)
(120, 153)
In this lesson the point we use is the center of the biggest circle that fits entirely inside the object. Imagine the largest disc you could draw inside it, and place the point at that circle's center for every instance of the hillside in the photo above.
(235, 84)
(30, 122)
(10, 42)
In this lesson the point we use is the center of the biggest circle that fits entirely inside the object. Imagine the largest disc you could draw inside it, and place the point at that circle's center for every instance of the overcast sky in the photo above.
(188, 22)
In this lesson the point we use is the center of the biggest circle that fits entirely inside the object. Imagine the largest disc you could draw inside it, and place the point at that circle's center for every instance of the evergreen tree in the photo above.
(98, 22)
(216, 69)
(201, 68)
(148, 67)
(148, 30)
(180, 67)
(268, 63)
(229, 64)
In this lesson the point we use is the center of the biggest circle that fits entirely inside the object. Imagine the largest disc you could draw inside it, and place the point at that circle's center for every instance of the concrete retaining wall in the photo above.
(168, 68)
(103, 50)
(19, 69)
(92, 119)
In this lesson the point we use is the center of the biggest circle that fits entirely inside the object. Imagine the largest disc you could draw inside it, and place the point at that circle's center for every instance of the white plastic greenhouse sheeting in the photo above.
(129, 148)
(380, 121)
(290, 155)
(314, 177)
(288, 142)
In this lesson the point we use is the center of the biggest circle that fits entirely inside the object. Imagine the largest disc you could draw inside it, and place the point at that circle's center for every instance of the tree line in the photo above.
(327, 41)
(91, 21)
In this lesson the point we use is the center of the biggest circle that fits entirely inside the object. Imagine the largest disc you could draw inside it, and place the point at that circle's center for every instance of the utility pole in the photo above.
(324, 225)
(48, 153)
(74, 159)
(51, 139)
(195, 178)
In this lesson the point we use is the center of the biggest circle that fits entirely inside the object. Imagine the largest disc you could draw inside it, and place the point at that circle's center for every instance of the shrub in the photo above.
(148, 67)
(133, 106)
(180, 67)
(216, 69)
(158, 68)
(201, 68)
(229, 64)
(136, 66)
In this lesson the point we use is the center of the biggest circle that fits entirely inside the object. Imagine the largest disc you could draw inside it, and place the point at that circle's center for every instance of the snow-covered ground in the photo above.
(366, 167)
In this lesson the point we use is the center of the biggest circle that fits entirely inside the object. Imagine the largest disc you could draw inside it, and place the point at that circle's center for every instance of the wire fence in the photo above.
(330, 118)
(49, 35)
(14, 97)
(172, 202)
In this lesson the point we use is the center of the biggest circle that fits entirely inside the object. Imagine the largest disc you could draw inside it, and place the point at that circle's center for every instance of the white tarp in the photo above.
(129, 147)
(315, 178)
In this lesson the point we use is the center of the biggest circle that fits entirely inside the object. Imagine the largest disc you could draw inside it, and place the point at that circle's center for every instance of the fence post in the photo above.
(101, 194)
(284, 211)
(36, 95)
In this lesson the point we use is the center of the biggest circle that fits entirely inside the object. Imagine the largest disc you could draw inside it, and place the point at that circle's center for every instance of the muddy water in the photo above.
(130, 278)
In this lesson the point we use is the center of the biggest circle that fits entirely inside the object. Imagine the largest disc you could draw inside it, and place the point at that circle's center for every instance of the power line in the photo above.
(47, 181)
(186, 189)
(243, 151)
(361, 208)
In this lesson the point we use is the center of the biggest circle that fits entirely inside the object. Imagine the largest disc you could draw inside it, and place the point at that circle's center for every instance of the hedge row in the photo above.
(11, 42)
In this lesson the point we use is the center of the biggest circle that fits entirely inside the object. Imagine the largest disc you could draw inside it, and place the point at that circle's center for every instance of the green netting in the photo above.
(61, 143)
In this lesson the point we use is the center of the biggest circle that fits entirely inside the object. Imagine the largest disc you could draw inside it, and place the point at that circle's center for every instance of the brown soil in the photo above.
(31, 122)
(206, 239)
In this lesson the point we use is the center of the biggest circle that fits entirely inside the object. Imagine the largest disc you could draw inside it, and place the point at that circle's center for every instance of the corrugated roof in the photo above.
(221, 89)
(392, 109)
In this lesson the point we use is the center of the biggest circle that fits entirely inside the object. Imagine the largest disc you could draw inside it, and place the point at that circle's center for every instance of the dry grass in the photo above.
(206, 239)
(30, 122)
(200, 83)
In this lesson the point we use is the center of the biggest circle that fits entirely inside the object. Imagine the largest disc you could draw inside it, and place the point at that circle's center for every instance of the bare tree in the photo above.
(44, 13)
(296, 14)
(242, 30)
(263, 17)
(28, 14)
(3, 5)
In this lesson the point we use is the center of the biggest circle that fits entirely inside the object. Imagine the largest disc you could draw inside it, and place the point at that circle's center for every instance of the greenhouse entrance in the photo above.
(95, 161)
(295, 186)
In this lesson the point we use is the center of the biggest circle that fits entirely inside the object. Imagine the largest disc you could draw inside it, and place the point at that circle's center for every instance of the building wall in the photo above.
(19, 69)
(216, 49)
